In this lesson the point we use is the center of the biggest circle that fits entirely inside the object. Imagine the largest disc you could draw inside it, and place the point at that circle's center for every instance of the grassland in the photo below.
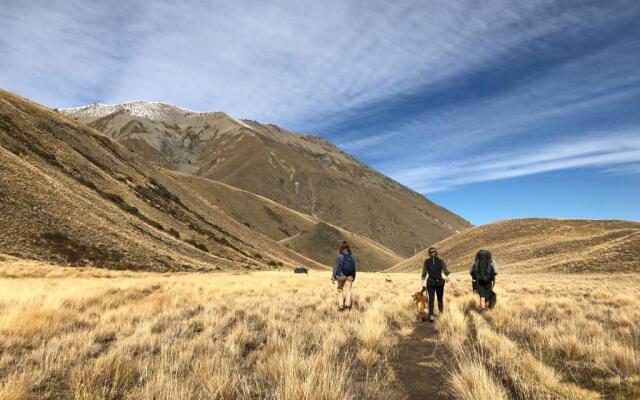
(552, 336)
(83, 333)
(95, 334)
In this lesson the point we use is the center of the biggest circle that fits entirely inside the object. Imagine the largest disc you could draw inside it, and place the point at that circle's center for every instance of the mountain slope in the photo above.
(303, 173)
(320, 243)
(70, 194)
(302, 233)
(259, 213)
(543, 244)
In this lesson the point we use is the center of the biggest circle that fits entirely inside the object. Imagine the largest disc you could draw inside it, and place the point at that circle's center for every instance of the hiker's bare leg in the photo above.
(347, 292)
(483, 303)
(340, 294)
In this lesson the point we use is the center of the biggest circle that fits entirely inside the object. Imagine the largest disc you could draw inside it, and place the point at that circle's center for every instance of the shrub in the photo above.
(197, 245)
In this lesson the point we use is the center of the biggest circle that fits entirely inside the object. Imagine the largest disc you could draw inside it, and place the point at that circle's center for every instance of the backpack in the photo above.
(348, 265)
(482, 270)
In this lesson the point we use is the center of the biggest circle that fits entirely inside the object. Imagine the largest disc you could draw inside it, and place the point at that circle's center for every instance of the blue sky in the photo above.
(494, 109)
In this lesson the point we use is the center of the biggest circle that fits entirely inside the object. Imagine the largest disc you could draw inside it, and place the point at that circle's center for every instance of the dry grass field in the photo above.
(552, 336)
(83, 333)
(70, 333)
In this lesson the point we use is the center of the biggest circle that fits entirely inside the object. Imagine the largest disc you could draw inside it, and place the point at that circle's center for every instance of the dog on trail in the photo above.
(421, 303)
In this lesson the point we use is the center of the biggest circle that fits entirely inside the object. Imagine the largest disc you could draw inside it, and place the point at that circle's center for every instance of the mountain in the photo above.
(539, 244)
(300, 232)
(70, 194)
(319, 243)
(302, 173)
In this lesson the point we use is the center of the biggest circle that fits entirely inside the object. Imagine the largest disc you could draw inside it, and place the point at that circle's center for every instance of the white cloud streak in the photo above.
(291, 62)
(304, 63)
(603, 78)
(596, 150)
(623, 170)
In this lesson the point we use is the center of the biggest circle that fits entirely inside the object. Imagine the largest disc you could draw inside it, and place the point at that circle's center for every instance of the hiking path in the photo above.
(420, 363)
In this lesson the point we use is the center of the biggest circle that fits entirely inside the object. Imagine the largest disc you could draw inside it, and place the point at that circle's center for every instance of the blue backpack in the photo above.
(348, 265)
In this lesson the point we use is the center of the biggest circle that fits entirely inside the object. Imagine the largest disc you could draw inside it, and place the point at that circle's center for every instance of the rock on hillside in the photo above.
(535, 244)
(71, 195)
(303, 173)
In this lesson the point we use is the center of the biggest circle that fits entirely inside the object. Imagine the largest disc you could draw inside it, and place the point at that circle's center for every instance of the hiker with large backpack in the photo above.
(483, 274)
(344, 273)
(434, 274)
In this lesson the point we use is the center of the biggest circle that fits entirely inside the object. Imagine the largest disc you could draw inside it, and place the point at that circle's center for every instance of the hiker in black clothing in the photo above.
(483, 273)
(433, 280)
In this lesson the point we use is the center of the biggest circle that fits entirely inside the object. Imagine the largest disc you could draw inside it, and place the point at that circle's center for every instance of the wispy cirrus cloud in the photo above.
(627, 169)
(581, 86)
(396, 83)
(621, 149)
(291, 62)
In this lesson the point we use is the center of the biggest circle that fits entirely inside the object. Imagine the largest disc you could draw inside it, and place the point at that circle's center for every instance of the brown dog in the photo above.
(421, 302)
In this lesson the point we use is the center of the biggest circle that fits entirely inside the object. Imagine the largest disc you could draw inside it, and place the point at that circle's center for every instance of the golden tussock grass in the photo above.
(552, 336)
(68, 333)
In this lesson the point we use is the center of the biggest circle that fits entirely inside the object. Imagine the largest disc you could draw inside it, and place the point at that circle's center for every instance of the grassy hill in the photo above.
(71, 195)
(534, 244)
(305, 234)
(320, 244)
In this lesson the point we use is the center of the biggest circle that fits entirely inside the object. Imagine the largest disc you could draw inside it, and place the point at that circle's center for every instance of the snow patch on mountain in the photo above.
(139, 108)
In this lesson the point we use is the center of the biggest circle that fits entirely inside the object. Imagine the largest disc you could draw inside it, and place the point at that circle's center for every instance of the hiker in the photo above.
(344, 272)
(483, 274)
(434, 274)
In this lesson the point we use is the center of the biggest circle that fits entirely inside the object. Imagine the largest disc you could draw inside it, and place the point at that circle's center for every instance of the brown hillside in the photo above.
(257, 212)
(320, 244)
(302, 233)
(303, 173)
(543, 244)
(70, 194)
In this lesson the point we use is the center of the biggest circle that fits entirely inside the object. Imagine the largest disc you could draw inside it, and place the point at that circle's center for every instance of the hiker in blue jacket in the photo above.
(344, 272)
(434, 274)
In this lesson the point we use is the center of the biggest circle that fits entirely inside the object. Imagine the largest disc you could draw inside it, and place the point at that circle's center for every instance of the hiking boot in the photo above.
(431, 318)
(348, 308)
(341, 308)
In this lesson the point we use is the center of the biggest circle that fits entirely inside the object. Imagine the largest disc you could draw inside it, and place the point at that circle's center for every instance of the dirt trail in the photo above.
(420, 364)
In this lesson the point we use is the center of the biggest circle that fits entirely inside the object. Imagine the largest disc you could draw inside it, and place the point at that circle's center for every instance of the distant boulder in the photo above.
(301, 270)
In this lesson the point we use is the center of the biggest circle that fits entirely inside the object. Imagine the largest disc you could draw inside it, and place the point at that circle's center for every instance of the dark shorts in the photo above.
(485, 289)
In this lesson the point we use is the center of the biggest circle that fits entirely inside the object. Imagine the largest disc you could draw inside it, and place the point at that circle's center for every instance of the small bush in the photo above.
(119, 201)
(116, 198)
(130, 209)
(153, 223)
(121, 178)
(197, 245)
(174, 233)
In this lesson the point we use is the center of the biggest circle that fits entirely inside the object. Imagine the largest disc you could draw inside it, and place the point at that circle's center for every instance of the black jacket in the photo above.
(434, 267)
